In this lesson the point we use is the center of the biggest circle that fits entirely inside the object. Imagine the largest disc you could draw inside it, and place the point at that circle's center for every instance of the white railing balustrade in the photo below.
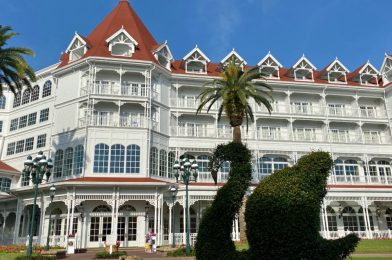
(134, 89)
(114, 121)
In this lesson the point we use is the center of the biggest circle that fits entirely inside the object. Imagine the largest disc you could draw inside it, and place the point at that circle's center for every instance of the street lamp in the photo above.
(186, 170)
(173, 190)
(52, 191)
(35, 170)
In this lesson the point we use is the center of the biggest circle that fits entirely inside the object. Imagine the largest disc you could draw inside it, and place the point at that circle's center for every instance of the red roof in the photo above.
(121, 16)
(114, 179)
(6, 167)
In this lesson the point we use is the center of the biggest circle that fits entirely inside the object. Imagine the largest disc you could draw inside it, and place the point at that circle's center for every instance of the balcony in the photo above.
(115, 121)
(306, 109)
(128, 89)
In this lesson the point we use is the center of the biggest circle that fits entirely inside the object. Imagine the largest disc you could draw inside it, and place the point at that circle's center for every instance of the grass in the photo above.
(10, 256)
(364, 247)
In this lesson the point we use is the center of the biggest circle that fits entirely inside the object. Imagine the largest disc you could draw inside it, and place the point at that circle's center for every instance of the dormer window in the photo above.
(163, 55)
(367, 75)
(196, 62)
(386, 69)
(269, 66)
(121, 43)
(336, 72)
(77, 48)
(302, 70)
(233, 55)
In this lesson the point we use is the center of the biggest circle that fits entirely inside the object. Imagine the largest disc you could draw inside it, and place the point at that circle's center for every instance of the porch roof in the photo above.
(117, 180)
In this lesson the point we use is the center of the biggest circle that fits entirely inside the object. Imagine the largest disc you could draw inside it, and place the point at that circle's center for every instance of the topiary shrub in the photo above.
(107, 255)
(214, 235)
(283, 214)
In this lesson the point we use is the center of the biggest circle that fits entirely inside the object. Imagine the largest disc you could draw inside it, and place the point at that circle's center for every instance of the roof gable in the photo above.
(236, 56)
(76, 42)
(119, 33)
(196, 53)
(304, 63)
(269, 61)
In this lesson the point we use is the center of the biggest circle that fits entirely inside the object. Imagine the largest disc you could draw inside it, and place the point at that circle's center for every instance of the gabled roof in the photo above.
(235, 54)
(196, 49)
(367, 71)
(161, 46)
(336, 64)
(304, 63)
(78, 37)
(269, 60)
(387, 58)
(122, 16)
(7, 168)
(122, 30)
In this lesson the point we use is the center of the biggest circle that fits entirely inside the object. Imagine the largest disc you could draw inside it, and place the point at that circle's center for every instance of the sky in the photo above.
(352, 30)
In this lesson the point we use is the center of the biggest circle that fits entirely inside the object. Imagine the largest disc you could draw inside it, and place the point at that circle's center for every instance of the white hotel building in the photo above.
(118, 109)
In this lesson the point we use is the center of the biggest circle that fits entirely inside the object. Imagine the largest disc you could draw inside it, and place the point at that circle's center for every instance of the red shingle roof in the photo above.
(6, 167)
(121, 16)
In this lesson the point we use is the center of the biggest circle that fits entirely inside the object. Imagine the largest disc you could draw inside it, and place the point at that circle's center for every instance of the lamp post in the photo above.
(146, 210)
(36, 170)
(173, 190)
(52, 191)
(186, 170)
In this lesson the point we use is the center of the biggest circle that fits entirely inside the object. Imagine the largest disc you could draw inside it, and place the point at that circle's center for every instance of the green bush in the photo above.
(283, 214)
(214, 235)
(107, 255)
(181, 252)
(35, 257)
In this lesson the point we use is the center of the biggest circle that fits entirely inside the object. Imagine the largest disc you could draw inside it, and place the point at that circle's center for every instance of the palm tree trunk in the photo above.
(237, 134)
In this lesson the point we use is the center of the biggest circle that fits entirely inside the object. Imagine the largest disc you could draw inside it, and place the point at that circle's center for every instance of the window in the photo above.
(3, 100)
(75, 226)
(372, 137)
(117, 158)
(267, 165)
(41, 141)
(203, 162)
(47, 89)
(350, 221)
(269, 133)
(305, 134)
(171, 160)
(11, 148)
(121, 44)
(154, 161)
(32, 119)
(301, 107)
(339, 135)
(26, 97)
(361, 220)
(192, 224)
(336, 109)
(78, 159)
(388, 218)
(35, 93)
(20, 146)
(102, 208)
(162, 163)
(101, 158)
(17, 100)
(68, 160)
(133, 159)
(368, 111)
(345, 170)
(29, 145)
(44, 115)
(332, 222)
(5, 185)
(22, 122)
(14, 124)
(1, 126)
(58, 163)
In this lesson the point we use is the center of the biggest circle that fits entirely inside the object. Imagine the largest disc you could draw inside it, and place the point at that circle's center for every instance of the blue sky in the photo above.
(353, 30)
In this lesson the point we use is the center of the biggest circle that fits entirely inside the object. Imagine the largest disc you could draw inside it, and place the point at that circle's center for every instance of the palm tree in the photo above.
(14, 70)
(234, 89)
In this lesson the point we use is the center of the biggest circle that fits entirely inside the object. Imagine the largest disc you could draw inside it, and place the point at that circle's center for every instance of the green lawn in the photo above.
(371, 258)
(9, 256)
(365, 246)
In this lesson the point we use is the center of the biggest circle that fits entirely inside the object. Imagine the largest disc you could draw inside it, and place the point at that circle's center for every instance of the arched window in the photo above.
(102, 208)
(78, 160)
(350, 221)
(154, 161)
(267, 165)
(57, 211)
(126, 208)
(332, 222)
(361, 219)
(26, 97)
(162, 163)
(101, 158)
(17, 98)
(171, 160)
(47, 89)
(203, 163)
(346, 168)
(58, 163)
(133, 159)
(68, 160)
(388, 218)
(5, 185)
(3, 100)
(117, 158)
(35, 93)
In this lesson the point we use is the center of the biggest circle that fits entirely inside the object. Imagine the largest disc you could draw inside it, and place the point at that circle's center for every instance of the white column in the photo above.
(367, 218)
(69, 208)
(71, 221)
(17, 222)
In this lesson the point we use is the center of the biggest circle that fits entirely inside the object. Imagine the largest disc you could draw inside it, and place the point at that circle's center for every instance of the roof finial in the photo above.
(336, 58)
(122, 26)
(269, 52)
(233, 50)
(303, 55)
(196, 46)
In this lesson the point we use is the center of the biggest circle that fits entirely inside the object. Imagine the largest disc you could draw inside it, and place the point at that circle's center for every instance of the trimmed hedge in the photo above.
(35, 257)
(214, 235)
(283, 214)
(180, 252)
(107, 255)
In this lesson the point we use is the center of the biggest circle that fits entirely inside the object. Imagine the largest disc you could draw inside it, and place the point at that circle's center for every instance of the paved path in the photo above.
(141, 253)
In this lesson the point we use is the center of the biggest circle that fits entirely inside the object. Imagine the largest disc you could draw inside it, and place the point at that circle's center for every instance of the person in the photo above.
(149, 241)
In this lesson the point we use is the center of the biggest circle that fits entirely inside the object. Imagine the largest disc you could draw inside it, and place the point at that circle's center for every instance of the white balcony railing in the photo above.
(127, 88)
(115, 121)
